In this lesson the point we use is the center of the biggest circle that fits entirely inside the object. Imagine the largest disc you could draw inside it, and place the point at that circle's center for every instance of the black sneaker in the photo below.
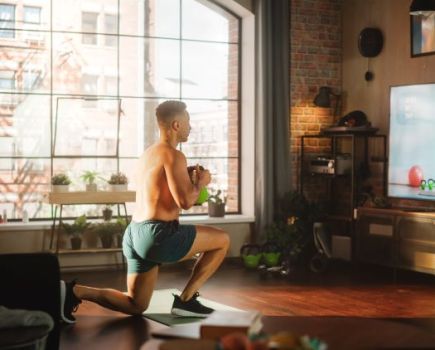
(69, 303)
(190, 308)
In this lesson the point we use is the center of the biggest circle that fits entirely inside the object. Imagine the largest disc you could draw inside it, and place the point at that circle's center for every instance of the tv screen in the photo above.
(411, 169)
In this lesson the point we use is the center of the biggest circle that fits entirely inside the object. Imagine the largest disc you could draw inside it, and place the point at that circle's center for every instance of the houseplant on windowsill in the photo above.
(75, 231)
(216, 204)
(118, 182)
(60, 183)
(106, 232)
(107, 213)
(89, 178)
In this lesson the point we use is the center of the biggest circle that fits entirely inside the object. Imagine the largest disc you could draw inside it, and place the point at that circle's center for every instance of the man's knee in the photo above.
(138, 307)
(225, 239)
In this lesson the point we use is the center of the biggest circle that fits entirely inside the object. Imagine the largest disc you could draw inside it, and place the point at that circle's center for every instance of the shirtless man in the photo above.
(155, 236)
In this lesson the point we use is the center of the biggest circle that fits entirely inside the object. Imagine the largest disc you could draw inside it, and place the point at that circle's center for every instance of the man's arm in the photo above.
(183, 191)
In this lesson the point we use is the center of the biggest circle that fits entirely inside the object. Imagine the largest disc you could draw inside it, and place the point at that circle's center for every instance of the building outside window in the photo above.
(7, 21)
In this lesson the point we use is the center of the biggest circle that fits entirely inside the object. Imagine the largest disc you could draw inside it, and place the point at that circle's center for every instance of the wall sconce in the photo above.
(323, 99)
(422, 7)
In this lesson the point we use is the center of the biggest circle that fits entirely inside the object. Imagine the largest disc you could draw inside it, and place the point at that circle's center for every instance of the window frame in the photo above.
(237, 100)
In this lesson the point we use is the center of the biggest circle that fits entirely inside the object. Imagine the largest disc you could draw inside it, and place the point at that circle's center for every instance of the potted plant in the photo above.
(89, 178)
(118, 182)
(106, 231)
(216, 204)
(90, 236)
(107, 213)
(292, 230)
(60, 183)
(75, 231)
(122, 225)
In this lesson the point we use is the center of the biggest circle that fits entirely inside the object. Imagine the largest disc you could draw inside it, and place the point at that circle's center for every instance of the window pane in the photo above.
(7, 21)
(72, 60)
(22, 187)
(132, 129)
(23, 59)
(204, 20)
(75, 168)
(17, 198)
(162, 18)
(214, 129)
(210, 70)
(160, 74)
(25, 121)
(82, 15)
(81, 130)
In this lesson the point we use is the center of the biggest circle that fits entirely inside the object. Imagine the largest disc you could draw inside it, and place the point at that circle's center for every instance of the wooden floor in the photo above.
(345, 290)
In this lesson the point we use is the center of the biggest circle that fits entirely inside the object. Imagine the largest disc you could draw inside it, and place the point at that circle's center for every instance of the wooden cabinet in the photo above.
(396, 238)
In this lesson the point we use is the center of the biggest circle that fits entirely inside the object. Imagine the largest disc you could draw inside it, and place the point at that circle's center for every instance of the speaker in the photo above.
(370, 42)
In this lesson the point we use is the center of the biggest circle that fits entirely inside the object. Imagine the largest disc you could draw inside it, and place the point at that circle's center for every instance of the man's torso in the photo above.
(154, 200)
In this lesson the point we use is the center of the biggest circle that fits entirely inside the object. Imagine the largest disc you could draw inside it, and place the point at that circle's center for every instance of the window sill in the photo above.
(192, 220)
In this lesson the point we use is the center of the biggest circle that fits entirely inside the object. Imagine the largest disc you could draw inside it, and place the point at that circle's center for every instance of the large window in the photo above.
(83, 96)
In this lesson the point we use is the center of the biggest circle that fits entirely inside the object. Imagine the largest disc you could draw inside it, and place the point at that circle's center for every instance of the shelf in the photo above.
(328, 176)
(85, 197)
(90, 250)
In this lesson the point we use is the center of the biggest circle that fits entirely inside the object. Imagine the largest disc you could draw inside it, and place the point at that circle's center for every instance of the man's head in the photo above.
(172, 117)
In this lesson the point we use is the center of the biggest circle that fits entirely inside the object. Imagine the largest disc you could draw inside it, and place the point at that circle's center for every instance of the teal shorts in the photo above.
(153, 242)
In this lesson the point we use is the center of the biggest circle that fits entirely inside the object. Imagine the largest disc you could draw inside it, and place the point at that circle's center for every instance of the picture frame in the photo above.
(422, 35)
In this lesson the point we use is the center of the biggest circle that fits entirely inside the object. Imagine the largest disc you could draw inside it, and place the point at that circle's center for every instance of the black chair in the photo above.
(31, 282)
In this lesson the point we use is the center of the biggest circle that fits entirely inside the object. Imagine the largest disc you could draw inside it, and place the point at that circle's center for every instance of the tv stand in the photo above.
(397, 238)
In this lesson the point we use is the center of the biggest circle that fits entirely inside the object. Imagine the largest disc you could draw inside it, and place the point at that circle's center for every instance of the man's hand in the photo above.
(203, 176)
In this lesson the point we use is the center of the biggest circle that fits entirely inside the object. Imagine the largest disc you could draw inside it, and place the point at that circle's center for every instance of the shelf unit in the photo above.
(342, 191)
(60, 199)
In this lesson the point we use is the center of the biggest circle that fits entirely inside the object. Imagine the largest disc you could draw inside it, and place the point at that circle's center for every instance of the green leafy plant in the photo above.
(77, 227)
(90, 176)
(217, 198)
(122, 223)
(118, 179)
(292, 229)
(60, 179)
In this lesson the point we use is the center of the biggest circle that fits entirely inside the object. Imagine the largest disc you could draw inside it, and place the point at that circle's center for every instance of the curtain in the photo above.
(272, 163)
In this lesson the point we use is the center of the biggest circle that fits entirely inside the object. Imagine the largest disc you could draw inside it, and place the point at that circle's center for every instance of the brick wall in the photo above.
(315, 61)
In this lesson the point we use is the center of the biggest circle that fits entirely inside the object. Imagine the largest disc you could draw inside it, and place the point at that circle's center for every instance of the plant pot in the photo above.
(91, 187)
(76, 243)
(59, 188)
(106, 241)
(107, 214)
(216, 210)
(91, 239)
(118, 188)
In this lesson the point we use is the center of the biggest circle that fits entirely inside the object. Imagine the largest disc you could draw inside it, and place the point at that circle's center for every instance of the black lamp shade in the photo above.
(323, 97)
(422, 7)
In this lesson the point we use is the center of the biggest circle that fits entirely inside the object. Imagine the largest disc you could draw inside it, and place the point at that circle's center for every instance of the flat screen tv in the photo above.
(411, 166)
